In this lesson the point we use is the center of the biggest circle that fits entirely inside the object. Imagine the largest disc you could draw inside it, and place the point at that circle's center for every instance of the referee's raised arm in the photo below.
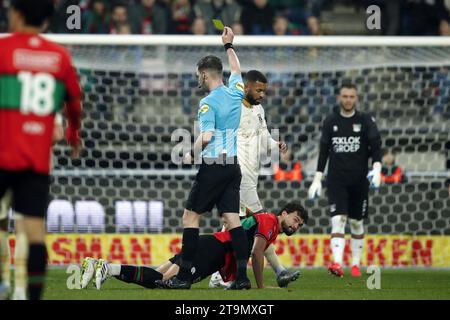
(227, 39)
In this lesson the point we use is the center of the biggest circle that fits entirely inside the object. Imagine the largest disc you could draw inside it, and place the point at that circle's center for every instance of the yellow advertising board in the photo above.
(295, 251)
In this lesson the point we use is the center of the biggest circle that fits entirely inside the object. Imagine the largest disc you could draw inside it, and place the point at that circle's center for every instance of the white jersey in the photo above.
(252, 139)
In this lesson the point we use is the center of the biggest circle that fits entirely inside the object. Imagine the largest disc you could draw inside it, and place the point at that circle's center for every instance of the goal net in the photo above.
(125, 197)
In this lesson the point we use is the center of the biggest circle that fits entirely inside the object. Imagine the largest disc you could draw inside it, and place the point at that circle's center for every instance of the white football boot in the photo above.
(101, 273)
(217, 282)
(87, 271)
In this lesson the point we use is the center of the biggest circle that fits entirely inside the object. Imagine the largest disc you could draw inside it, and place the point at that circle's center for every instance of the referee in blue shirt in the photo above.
(219, 177)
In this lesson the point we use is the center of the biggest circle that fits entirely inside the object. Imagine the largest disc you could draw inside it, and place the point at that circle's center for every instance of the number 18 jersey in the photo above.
(36, 79)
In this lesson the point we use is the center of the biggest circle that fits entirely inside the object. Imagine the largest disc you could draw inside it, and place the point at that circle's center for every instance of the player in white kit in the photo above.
(253, 140)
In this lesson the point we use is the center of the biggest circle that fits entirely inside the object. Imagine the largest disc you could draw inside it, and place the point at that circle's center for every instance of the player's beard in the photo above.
(287, 229)
(251, 100)
(348, 110)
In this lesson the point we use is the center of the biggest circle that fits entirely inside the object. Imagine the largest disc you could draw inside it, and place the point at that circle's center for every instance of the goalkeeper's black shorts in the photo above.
(351, 200)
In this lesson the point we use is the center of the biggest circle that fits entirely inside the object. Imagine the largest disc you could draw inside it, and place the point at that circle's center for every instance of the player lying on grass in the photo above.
(215, 253)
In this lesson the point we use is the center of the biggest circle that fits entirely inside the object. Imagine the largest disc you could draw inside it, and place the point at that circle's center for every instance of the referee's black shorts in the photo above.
(210, 257)
(349, 199)
(30, 191)
(216, 184)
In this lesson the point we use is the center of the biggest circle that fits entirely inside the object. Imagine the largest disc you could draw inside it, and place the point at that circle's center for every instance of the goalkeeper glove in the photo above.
(374, 176)
(316, 187)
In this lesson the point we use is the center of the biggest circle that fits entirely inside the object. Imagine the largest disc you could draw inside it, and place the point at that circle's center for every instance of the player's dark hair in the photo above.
(35, 12)
(348, 85)
(296, 207)
(254, 76)
(211, 63)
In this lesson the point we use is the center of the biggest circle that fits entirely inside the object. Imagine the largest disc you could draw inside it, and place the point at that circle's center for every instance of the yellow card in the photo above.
(218, 24)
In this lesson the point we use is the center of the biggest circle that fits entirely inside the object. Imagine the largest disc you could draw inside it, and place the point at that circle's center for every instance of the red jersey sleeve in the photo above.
(267, 227)
(73, 107)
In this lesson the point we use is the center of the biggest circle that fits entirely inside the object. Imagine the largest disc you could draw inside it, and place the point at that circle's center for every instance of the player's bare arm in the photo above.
(258, 260)
(58, 130)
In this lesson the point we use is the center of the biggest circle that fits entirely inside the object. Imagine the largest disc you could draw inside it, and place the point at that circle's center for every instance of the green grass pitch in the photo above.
(313, 284)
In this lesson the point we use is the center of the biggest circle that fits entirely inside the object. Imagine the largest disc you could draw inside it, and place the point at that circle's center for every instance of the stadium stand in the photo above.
(311, 17)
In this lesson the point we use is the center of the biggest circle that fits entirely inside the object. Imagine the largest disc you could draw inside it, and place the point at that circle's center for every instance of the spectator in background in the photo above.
(3, 17)
(257, 17)
(280, 26)
(124, 28)
(150, 17)
(119, 19)
(198, 26)
(303, 15)
(182, 16)
(423, 17)
(444, 25)
(226, 10)
(96, 19)
(313, 24)
(390, 172)
(238, 29)
(288, 169)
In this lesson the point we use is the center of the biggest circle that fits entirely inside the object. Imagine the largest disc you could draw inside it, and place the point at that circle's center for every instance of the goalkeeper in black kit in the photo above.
(349, 139)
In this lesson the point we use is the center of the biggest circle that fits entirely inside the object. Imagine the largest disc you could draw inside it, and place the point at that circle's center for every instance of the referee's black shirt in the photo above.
(348, 143)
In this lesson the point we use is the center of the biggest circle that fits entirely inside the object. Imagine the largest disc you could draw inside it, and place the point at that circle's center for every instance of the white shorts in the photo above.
(249, 193)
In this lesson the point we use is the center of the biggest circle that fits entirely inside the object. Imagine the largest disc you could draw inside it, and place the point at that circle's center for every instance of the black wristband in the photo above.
(228, 46)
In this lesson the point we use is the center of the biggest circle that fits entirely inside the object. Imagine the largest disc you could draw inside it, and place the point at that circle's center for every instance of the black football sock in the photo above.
(143, 276)
(36, 267)
(240, 247)
(188, 250)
